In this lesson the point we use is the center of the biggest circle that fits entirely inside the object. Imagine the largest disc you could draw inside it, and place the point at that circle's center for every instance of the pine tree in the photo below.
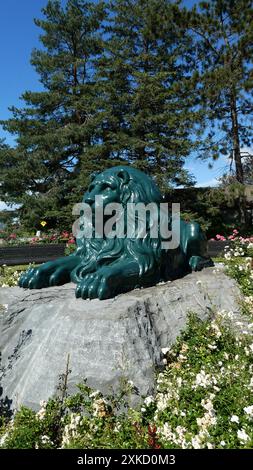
(223, 36)
(55, 126)
(146, 98)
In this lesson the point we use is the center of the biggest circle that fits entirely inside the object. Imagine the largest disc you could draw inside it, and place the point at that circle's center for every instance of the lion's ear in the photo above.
(124, 175)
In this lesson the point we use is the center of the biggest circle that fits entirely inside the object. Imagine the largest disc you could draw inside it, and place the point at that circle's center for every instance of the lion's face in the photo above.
(107, 190)
(108, 186)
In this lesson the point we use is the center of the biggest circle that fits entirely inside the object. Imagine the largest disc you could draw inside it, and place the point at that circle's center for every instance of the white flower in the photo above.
(207, 405)
(45, 440)
(230, 314)
(43, 403)
(196, 442)
(242, 435)
(216, 330)
(149, 400)
(162, 402)
(117, 427)
(249, 410)
(3, 438)
(207, 420)
(222, 443)
(251, 383)
(179, 381)
(95, 393)
(77, 419)
(181, 358)
(204, 380)
(181, 430)
(99, 407)
(130, 383)
(165, 350)
(166, 432)
(234, 419)
(41, 414)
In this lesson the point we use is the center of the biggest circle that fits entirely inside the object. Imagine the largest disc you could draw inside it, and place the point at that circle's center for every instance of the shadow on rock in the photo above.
(5, 406)
(5, 403)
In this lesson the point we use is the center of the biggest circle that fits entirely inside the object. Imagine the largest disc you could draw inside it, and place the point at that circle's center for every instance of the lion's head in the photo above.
(122, 185)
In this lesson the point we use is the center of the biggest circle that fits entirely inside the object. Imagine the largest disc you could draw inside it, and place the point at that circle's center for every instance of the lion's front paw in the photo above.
(45, 275)
(33, 278)
(101, 284)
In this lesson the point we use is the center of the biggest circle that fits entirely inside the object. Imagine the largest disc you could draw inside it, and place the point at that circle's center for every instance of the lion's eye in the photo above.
(104, 186)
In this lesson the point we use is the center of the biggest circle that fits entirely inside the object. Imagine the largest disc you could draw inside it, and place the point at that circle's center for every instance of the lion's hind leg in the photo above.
(198, 262)
(194, 245)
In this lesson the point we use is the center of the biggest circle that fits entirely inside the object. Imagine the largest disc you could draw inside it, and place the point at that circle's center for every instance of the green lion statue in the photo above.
(104, 266)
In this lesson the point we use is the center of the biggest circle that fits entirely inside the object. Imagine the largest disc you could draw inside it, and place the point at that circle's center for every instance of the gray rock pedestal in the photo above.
(105, 339)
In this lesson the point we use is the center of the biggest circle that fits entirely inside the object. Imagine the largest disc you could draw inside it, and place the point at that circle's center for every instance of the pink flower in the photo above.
(71, 241)
(65, 234)
(220, 237)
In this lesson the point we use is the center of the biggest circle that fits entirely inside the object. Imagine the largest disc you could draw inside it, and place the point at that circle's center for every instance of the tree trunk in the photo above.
(237, 156)
(235, 137)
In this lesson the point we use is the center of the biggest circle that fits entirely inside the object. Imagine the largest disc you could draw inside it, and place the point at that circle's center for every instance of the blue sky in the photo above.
(18, 36)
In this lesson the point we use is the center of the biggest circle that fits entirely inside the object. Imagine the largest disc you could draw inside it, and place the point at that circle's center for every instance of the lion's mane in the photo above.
(146, 251)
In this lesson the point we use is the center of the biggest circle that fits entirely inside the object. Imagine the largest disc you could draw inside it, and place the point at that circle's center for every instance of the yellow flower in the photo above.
(43, 223)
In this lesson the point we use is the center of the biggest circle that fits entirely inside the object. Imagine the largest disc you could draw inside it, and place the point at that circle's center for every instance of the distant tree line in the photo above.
(140, 82)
